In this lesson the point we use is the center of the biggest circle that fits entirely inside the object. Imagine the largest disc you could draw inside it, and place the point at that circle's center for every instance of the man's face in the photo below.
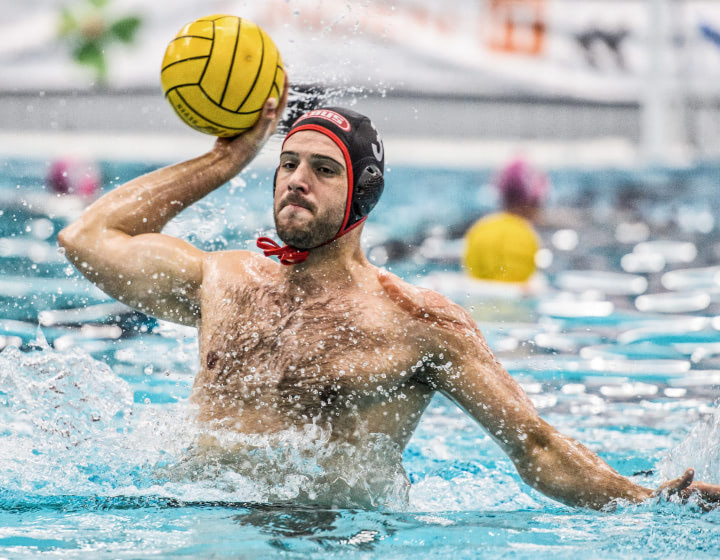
(311, 190)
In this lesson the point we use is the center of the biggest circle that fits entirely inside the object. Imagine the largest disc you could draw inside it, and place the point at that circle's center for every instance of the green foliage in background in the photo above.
(88, 30)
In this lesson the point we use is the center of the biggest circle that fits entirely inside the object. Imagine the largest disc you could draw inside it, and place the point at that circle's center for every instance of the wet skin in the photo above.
(277, 354)
(284, 347)
(332, 341)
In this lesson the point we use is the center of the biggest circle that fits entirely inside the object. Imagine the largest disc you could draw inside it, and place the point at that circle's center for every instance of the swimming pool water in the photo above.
(93, 411)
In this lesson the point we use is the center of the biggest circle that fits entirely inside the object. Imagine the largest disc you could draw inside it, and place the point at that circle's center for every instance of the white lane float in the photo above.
(564, 308)
(458, 285)
(567, 343)
(638, 263)
(80, 315)
(571, 366)
(609, 283)
(35, 286)
(673, 302)
(705, 278)
(674, 252)
(37, 250)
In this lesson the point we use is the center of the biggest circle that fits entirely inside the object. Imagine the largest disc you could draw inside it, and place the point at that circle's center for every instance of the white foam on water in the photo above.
(700, 450)
(71, 428)
(487, 490)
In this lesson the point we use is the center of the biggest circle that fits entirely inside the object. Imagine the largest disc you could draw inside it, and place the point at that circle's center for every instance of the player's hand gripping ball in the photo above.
(218, 72)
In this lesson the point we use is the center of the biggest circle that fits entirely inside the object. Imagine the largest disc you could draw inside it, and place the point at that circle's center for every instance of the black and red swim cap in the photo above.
(364, 155)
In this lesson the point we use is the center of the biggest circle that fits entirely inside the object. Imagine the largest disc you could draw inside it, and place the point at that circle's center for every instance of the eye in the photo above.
(324, 170)
(288, 164)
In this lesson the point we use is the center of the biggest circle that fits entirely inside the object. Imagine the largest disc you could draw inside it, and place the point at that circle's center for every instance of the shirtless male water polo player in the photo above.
(323, 337)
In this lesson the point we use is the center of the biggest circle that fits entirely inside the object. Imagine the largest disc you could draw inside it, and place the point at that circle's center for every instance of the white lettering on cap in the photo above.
(377, 149)
(336, 118)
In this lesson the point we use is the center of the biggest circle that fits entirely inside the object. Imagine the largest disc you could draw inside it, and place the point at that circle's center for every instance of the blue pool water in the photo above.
(94, 427)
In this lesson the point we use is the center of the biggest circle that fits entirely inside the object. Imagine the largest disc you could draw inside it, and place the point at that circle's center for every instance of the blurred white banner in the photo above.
(587, 49)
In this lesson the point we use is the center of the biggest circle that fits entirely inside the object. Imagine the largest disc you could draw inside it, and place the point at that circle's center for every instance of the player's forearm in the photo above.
(146, 204)
(567, 471)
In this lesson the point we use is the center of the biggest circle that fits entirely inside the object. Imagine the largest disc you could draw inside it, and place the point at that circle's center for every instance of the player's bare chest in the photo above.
(271, 338)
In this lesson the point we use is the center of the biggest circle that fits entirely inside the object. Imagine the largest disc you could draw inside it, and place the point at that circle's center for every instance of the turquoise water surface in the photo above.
(95, 429)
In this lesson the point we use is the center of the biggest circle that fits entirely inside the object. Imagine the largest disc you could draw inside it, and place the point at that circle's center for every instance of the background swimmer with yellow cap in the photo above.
(502, 246)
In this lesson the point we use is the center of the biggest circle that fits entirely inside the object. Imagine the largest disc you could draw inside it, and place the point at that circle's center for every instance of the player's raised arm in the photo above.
(117, 243)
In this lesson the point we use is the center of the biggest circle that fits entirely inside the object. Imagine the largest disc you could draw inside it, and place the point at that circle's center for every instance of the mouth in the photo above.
(291, 205)
(296, 204)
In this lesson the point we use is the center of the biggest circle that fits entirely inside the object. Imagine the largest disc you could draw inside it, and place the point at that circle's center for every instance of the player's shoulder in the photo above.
(427, 306)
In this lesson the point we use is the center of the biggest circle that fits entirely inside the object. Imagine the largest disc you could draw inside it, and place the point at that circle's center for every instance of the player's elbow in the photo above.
(536, 454)
(65, 237)
(77, 241)
(68, 238)
(72, 239)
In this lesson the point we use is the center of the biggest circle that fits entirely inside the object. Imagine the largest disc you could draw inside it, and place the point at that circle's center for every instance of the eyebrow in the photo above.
(315, 158)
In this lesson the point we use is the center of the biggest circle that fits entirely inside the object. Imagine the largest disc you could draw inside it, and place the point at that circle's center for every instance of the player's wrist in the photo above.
(228, 159)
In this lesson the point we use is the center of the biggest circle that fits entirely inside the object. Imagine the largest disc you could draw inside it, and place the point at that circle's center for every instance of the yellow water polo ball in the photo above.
(218, 72)
(501, 247)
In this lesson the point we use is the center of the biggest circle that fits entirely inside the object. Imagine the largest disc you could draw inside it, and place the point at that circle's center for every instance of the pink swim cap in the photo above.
(519, 184)
(74, 176)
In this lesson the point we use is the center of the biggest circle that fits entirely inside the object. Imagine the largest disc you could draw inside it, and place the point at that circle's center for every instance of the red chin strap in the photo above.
(286, 254)
(290, 255)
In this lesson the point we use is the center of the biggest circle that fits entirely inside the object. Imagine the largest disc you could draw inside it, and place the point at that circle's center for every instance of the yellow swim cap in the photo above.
(501, 247)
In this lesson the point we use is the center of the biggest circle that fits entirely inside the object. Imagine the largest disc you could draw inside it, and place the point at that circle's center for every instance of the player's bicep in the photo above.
(154, 273)
(482, 387)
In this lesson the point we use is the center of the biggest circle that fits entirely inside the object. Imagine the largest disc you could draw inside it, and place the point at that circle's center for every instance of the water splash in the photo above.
(294, 466)
(72, 431)
(66, 418)
(699, 450)
(49, 391)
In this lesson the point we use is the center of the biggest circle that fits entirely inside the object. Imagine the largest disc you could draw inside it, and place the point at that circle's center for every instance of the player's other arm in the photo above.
(556, 465)
(117, 243)
(468, 373)
(553, 463)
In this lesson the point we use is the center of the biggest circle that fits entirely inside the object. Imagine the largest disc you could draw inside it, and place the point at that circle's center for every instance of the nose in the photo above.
(299, 178)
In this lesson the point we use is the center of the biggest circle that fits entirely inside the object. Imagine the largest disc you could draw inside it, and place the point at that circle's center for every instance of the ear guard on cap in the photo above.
(367, 192)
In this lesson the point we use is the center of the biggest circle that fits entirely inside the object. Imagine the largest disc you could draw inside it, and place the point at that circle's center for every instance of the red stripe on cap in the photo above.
(348, 164)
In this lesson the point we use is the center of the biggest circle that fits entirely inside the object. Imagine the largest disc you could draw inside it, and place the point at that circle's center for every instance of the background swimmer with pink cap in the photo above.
(502, 246)
(325, 339)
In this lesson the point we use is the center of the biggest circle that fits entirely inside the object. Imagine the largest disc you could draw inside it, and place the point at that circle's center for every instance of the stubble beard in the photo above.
(319, 231)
